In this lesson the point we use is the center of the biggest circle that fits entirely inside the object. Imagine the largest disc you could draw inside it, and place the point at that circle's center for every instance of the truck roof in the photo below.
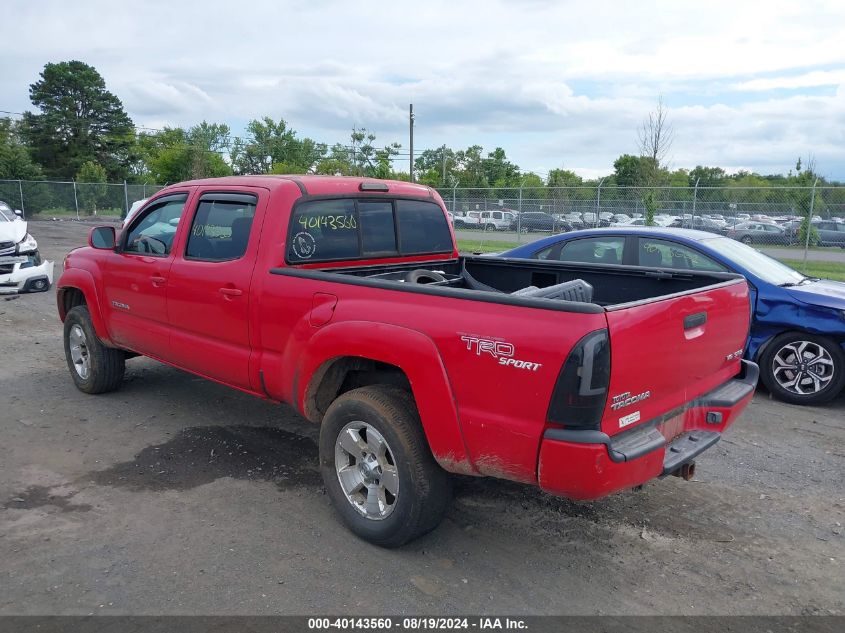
(316, 185)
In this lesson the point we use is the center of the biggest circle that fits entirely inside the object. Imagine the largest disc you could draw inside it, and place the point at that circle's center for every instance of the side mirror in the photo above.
(102, 238)
(19, 213)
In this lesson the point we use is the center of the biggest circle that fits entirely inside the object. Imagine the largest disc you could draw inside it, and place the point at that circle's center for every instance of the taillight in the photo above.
(580, 393)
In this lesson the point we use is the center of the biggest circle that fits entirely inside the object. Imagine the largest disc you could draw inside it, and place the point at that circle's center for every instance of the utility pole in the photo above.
(443, 160)
(411, 124)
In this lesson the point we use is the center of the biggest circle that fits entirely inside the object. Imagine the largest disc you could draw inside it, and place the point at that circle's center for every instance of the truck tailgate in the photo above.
(669, 351)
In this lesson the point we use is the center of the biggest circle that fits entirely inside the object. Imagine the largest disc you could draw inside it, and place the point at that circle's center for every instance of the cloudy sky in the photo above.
(749, 84)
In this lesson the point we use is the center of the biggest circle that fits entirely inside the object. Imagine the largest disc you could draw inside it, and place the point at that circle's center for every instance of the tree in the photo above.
(499, 171)
(80, 121)
(174, 154)
(633, 171)
(92, 186)
(470, 167)
(655, 136)
(360, 158)
(15, 161)
(707, 176)
(274, 148)
(436, 167)
(564, 178)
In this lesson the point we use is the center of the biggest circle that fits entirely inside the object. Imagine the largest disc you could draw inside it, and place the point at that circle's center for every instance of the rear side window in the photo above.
(422, 228)
(590, 250)
(221, 227)
(326, 230)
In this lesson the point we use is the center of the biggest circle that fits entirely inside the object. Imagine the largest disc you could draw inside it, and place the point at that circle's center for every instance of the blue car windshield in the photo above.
(754, 261)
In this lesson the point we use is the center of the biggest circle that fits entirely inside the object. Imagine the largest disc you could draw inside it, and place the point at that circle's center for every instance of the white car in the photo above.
(133, 210)
(21, 268)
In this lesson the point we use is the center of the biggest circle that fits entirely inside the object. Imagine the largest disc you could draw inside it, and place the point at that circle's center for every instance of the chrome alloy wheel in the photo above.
(366, 470)
(803, 367)
(78, 344)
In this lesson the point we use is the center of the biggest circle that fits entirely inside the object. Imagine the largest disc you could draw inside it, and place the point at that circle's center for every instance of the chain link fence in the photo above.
(765, 217)
(73, 199)
(496, 219)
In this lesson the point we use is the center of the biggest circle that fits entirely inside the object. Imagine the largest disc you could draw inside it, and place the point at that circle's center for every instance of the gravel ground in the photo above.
(175, 495)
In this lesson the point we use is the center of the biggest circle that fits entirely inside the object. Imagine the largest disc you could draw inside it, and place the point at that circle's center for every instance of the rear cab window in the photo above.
(366, 228)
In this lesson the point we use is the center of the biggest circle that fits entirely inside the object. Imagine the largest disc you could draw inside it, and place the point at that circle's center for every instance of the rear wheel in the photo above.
(803, 368)
(377, 467)
(94, 367)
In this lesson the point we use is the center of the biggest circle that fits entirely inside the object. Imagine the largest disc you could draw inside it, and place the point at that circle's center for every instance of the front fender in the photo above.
(82, 280)
(416, 355)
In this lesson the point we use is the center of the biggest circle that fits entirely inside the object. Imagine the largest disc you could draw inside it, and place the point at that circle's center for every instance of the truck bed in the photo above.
(501, 280)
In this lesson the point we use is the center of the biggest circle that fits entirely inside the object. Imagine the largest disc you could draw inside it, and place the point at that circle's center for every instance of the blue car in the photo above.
(798, 323)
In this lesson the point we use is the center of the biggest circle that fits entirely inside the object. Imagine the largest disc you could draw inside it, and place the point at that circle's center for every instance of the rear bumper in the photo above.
(591, 464)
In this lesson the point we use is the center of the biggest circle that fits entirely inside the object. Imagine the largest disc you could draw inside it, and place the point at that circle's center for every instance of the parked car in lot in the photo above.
(828, 232)
(530, 221)
(22, 270)
(346, 298)
(798, 323)
(133, 210)
(697, 222)
(591, 219)
(759, 233)
(831, 233)
(468, 220)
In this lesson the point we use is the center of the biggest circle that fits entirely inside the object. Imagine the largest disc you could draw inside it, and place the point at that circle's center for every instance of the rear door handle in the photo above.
(695, 320)
(157, 280)
(231, 292)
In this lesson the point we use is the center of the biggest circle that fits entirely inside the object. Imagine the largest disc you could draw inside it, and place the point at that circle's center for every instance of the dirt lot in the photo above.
(175, 495)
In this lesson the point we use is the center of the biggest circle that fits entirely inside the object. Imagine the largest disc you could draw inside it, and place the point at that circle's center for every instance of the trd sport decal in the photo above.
(502, 351)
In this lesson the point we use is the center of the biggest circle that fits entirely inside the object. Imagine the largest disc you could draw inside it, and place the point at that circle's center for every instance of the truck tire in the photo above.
(378, 469)
(94, 367)
(819, 361)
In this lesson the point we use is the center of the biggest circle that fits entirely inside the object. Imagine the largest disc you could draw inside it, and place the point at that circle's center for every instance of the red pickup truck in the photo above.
(346, 297)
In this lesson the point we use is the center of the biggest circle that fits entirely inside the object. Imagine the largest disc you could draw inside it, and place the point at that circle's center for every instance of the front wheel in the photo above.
(378, 469)
(746, 239)
(94, 367)
(803, 368)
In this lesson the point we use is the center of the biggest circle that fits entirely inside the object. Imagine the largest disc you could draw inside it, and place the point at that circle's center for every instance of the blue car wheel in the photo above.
(803, 368)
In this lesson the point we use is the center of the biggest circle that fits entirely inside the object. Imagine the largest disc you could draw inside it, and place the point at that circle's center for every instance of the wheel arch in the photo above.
(76, 287)
(354, 354)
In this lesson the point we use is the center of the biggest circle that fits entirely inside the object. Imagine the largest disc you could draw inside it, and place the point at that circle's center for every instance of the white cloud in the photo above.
(813, 79)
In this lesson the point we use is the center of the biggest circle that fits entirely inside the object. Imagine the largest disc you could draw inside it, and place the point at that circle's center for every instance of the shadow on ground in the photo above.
(200, 455)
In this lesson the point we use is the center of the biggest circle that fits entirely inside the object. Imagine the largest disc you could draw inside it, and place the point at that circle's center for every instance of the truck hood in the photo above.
(825, 292)
(13, 231)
